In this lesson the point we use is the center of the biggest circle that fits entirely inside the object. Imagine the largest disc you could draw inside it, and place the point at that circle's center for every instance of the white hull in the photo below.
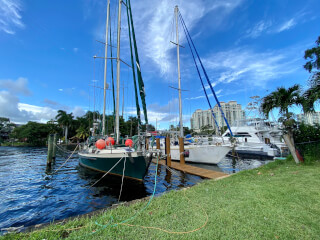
(208, 154)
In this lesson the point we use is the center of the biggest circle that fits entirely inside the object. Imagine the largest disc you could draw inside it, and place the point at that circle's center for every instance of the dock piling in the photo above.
(181, 150)
(168, 151)
(158, 143)
(54, 149)
(147, 143)
(50, 150)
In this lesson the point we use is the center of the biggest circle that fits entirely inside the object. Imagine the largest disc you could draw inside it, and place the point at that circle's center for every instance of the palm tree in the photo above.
(313, 66)
(282, 99)
(82, 133)
(64, 120)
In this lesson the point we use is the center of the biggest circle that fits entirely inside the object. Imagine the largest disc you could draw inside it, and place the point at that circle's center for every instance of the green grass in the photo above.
(280, 200)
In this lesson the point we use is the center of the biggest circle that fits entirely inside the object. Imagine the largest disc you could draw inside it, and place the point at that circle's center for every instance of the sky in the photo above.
(248, 48)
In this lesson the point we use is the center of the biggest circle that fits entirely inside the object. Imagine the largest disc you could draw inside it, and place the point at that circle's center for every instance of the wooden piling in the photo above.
(168, 151)
(147, 143)
(158, 143)
(54, 149)
(181, 150)
(50, 150)
(233, 159)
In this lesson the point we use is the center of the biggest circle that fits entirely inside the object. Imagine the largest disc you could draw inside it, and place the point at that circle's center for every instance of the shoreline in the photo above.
(252, 204)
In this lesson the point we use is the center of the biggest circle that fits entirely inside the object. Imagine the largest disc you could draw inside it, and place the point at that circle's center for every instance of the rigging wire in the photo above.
(205, 73)
(204, 89)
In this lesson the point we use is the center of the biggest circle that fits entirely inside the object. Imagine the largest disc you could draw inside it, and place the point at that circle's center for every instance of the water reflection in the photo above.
(30, 195)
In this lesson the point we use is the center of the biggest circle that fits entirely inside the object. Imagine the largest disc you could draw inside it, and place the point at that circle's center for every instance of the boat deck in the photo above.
(205, 173)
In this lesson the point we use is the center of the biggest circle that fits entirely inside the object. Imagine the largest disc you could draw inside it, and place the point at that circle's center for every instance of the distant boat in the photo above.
(256, 137)
(131, 160)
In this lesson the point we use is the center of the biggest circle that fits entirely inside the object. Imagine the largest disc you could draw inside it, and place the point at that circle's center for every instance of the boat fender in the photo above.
(100, 144)
(110, 141)
(129, 143)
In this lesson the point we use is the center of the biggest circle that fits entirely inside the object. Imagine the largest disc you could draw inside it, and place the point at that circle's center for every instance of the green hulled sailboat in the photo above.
(131, 161)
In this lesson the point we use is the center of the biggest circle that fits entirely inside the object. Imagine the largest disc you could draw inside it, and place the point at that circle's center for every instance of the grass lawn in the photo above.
(280, 200)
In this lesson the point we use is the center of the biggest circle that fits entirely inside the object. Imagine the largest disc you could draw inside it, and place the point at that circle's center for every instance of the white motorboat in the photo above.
(257, 137)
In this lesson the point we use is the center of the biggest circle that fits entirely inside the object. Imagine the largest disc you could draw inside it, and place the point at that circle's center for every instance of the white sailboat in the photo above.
(209, 154)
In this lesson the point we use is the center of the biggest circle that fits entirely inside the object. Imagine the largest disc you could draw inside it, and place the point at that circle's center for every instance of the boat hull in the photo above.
(135, 168)
(208, 154)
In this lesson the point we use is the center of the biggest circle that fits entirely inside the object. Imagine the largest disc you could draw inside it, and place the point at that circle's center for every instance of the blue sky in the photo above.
(248, 48)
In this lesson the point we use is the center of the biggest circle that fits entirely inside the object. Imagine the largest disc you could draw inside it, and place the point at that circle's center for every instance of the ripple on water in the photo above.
(31, 196)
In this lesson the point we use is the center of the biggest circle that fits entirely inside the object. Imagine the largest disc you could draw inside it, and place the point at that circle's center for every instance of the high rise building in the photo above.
(203, 118)
(309, 118)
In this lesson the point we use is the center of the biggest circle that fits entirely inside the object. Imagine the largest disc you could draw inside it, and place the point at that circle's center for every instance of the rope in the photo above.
(124, 168)
(123, 223)
(62, 149)
(173, 232)
(67, 159)
(107, 172)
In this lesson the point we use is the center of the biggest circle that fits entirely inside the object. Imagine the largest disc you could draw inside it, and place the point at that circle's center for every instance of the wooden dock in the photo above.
(194, 170)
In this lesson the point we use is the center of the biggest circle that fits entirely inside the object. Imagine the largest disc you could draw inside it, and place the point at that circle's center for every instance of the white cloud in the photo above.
(256, 68)
(155, 25)
(21, 112)
(258, 29)
(78, 111)
(10, 16)
(75, 50)
(36, 113)
(287, 25)
(11, 107)
(16, 87)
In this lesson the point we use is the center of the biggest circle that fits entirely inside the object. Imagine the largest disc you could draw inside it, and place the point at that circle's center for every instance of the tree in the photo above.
(82, 133)
(6, 127)
(284, 98)
(65, 120)
(207, 129)
(33, 133)
(312, 66)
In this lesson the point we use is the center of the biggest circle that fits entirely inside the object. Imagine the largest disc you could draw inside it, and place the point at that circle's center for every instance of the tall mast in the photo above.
(105, 73)
(118, 73)
(176, 11)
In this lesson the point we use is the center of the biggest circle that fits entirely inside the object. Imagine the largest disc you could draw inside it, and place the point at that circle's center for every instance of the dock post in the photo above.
(54, 149)
(168, 151)
(50, 148)
(147, 143)
(181, 150)
(158, 143)
(233, 160)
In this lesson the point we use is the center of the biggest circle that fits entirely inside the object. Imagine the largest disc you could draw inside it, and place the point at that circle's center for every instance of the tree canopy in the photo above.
(312, 94)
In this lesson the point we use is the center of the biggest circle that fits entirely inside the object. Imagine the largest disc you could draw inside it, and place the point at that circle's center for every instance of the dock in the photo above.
(201, 172)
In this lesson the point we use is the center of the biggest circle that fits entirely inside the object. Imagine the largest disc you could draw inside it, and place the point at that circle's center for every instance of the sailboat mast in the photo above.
(176, 11)
(105, 72)
(118, 73)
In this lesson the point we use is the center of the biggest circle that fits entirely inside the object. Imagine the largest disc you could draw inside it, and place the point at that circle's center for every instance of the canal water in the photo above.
(30, 195)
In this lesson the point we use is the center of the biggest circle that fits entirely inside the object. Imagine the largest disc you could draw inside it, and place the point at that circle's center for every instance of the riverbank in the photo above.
(16, 144)
(280, 200)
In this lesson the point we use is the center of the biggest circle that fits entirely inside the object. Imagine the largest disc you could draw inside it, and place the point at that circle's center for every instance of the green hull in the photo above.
(136, 167)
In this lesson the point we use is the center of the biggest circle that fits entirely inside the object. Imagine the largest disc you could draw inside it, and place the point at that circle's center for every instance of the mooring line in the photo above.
(107, 172)
(66, 160)
(124, 169)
